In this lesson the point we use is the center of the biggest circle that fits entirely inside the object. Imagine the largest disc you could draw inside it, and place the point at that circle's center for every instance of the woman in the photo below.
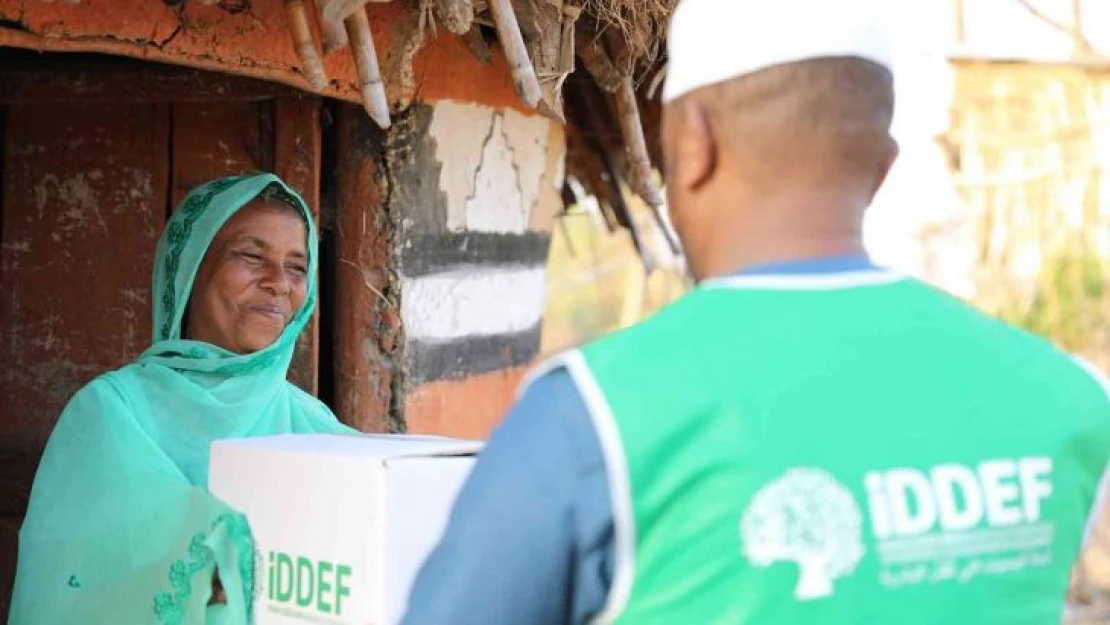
(121, 528)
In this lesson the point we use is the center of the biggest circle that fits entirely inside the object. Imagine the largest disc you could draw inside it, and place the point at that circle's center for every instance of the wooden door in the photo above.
(87, 184)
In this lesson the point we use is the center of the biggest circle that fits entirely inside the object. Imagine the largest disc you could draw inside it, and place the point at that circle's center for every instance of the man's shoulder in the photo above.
(1016, 344)
(692, 313)
(1093, 374)
(552, 378)
(961, 313)
(651, 345)
(556, 397)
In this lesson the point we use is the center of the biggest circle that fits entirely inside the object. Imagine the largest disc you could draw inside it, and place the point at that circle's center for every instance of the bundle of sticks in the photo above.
(606, 53)
(344, 23)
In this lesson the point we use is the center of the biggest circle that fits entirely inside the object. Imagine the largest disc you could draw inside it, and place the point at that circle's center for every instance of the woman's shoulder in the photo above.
(104, 387)
(99, 401)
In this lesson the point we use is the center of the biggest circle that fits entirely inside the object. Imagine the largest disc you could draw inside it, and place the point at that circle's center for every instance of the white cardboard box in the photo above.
(342, 524)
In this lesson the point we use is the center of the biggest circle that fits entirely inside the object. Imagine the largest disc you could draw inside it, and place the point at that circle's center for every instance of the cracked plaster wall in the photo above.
(500, 174)
(501, 171)
(473, 255)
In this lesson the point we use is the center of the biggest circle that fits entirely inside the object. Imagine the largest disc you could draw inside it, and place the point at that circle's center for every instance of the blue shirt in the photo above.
(531, 537)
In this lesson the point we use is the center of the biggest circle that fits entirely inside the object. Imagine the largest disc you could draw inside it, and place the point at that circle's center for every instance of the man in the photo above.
(805, 438)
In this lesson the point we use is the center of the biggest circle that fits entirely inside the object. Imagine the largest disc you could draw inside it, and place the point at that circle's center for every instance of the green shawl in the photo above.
(121, 528)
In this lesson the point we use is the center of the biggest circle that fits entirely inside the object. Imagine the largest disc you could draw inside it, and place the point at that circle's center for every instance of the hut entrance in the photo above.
(96, 152)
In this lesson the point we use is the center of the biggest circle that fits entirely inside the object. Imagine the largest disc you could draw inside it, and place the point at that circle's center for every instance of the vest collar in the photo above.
(811, 274)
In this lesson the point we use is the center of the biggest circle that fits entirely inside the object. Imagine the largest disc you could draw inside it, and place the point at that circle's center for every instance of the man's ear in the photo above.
(893, 150)
(696, 146)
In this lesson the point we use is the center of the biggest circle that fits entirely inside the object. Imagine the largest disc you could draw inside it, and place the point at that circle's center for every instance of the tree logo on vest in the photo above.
(949, 523)
(808, 518)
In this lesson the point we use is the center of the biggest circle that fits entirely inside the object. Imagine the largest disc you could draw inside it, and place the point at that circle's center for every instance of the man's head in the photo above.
(788, 147)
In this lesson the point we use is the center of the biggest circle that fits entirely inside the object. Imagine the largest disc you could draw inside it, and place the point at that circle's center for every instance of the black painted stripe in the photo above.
(454, 359)
(425, 254)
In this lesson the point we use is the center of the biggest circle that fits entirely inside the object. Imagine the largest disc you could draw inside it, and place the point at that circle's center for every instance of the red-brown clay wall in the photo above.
(256, 42)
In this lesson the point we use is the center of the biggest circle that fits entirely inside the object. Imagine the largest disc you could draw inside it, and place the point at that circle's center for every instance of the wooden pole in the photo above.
(959, 26)
(512, 42)
(1082, 44)
(597, 62)
(297, 146)
(366, 326)
(640, 171)
(303, 40)
(339, 10)
(567, 41)
(366, 61)
(639, 164)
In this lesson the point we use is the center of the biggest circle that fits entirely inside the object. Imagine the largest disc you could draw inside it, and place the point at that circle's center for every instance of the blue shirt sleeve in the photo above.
(530, 539)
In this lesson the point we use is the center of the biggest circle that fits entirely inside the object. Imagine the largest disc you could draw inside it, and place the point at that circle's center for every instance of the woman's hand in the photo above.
(218, 595)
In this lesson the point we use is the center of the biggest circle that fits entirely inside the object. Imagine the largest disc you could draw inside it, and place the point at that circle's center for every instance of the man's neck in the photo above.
(756, 253)
(797, 226)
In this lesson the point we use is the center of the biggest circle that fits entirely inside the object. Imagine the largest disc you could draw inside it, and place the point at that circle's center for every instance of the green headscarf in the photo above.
(121, 528)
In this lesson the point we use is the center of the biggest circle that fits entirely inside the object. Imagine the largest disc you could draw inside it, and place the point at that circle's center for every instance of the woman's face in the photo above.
(252, 280)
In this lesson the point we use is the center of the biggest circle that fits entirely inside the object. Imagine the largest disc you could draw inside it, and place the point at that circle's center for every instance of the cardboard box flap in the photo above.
(359, 446)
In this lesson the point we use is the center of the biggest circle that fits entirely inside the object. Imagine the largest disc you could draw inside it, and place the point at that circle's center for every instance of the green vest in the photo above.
(841, 450)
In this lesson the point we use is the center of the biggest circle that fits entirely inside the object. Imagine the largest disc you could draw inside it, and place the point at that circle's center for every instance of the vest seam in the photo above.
(1096, 506)
(620, 485)
(1099, 502)
(1093, 372)
(545, 367)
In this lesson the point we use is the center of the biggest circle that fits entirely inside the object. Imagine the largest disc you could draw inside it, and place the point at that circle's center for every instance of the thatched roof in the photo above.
(641, 24)
(594, 65)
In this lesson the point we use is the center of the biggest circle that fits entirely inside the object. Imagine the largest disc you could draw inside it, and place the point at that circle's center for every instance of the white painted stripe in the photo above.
(620, 487)
(473, 301)
(807, 282)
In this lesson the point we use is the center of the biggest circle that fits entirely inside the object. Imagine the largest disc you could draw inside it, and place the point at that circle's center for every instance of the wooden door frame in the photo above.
(69, 79)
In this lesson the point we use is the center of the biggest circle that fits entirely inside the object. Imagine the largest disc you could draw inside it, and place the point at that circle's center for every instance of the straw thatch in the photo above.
(593, 65)
(621, 49)
(642, 24)
(613, 110)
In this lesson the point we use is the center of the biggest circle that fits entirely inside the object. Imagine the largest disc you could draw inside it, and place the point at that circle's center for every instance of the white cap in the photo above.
(712, 41)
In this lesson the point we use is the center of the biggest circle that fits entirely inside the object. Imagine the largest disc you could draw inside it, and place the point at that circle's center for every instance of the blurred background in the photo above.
(1000, 195)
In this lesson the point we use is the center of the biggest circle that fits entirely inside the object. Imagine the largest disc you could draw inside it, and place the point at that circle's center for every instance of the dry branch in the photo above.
(641, 24)
(512, 43)
(303, 40)
(597, 62)
(339, 10)
(366, 61)
(567, 40)
(548, 32)
(1074, 30)
(639, 164)
(1045, 17)
(959, 26)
